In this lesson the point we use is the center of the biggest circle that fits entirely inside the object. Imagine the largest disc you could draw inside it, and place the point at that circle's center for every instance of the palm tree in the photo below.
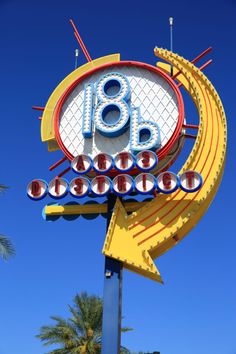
(6, 247)
(81, 333)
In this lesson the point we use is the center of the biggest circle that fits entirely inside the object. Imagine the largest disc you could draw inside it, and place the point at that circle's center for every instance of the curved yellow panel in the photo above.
(160, 224)
(47, 125)
(181, 78)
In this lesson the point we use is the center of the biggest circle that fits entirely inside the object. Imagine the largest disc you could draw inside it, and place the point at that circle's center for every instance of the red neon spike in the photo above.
(190, 126)
(201, 68)
(64, 172)
(200, 56)
(37, 108)
(80, 41)
(206, 64)
(51, 168)
(195, 60)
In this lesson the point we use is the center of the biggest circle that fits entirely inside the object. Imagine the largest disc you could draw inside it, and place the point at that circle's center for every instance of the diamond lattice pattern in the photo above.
(149, 91)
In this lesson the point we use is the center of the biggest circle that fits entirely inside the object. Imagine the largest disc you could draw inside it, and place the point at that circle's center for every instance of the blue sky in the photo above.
(195, 311)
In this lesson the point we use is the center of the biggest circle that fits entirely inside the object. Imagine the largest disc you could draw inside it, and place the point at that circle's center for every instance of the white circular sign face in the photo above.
(37, 189)
(79, 187)
(151, 98)
(145, 183)
(58, 188)
(124, 161)
(190, 181)
(101, 185)
(167, 182)
(122, 185)
(81, 164)
(146, 160)
(102, 163)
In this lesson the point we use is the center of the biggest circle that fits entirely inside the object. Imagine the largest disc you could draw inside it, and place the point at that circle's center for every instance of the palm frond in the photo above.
(89, 309)
(126, 329)
(81, 333)
(62, 332)
(77, 321)
(2, 187)
(59, 351)
(124, 350)
(6, 247)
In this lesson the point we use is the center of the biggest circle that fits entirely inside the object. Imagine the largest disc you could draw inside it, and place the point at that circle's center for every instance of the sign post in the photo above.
(112, 297)
(121, 125)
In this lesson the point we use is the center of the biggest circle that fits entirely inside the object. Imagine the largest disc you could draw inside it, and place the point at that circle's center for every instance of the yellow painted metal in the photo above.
(153, 229)
(60, 210)
(184, 81)
(124, 247)
(47, 123)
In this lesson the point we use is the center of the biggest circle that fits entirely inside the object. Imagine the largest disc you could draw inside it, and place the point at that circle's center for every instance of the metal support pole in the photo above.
(171, 21)
(76, 58)
(112, 296)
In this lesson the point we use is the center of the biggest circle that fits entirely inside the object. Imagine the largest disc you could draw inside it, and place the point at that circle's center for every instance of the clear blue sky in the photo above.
(194, 312)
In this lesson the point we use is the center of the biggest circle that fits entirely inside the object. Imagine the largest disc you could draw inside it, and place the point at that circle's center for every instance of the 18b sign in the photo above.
(113, 114)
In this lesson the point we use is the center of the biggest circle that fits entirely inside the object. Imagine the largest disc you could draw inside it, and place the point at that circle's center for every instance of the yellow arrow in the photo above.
(156, 227)
(120, 245)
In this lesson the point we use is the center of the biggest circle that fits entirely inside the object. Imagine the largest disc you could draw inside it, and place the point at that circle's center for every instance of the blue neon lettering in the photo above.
(143, 134)
(112, 114)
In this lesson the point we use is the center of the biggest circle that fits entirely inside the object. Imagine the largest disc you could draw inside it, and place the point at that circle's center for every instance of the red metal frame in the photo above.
(195, 60)
(37, 108)
(206, 64)
(63, 172)
(165, 149)
(190, 126)
(59, 162)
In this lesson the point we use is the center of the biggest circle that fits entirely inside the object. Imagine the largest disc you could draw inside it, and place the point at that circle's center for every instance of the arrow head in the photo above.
(120, 244)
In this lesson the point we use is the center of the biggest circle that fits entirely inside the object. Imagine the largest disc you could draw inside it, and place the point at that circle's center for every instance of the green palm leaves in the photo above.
(6, 247)
(82, 332)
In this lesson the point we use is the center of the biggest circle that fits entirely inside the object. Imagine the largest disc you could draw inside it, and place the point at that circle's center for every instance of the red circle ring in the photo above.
(160, 153)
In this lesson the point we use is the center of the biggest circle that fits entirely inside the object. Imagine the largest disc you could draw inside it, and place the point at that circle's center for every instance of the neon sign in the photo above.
(121, 126)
